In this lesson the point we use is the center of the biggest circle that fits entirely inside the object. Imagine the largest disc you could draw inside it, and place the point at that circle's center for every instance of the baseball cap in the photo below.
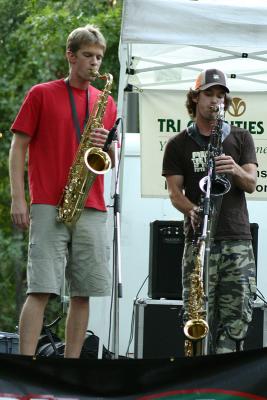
(210, 77)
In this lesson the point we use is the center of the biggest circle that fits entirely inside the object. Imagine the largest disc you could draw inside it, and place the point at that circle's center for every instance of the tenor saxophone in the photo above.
(89, 161)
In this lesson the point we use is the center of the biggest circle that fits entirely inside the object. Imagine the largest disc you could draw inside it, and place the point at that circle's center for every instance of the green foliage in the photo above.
(32, 50)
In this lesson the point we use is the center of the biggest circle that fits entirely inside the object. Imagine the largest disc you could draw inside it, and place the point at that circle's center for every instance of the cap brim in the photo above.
(204, 87)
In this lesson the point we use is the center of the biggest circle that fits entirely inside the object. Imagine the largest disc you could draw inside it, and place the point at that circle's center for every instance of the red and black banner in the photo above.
(238, 376)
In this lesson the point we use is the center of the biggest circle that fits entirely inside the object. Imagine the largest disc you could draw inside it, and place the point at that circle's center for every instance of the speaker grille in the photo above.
(165, 260)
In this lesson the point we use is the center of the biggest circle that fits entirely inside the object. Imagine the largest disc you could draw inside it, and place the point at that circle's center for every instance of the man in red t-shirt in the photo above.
(49, 124)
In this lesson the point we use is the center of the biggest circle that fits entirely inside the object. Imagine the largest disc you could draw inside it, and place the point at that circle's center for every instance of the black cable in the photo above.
(261, 296)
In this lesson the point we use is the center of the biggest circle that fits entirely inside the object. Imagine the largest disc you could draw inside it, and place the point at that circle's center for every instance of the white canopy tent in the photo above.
(164, 43)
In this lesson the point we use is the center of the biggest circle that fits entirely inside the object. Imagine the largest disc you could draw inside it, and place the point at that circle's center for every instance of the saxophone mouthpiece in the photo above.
(214, 108)
(93, 72)
(218, 108)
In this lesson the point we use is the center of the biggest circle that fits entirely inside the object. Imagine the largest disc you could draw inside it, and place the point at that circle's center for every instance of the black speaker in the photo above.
(257, 331)
(165, 260)
(158, 329)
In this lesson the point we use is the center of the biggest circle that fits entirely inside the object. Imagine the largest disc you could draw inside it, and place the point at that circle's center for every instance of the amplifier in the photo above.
(257, 331)
(159, 328)
(165, 260)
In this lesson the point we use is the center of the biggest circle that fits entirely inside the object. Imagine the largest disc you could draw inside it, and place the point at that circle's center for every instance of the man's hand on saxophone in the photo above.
(194, 215)
(99, 137)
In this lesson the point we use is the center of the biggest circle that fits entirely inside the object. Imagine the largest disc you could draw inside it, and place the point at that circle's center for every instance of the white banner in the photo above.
(163, 114)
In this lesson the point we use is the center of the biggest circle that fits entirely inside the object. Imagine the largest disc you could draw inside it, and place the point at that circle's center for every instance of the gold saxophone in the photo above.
(89, 161)
(196, 328)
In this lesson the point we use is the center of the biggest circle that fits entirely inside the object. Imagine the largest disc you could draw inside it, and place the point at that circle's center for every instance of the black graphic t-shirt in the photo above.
(187, 157)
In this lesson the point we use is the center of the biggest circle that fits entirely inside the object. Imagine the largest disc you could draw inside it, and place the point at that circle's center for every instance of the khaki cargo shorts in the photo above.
(80, 253)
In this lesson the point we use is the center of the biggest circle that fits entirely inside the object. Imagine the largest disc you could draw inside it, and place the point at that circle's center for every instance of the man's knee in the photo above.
(37, 299)
(78, 301)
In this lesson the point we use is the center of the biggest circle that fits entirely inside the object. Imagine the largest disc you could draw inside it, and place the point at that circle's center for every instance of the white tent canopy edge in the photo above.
(164, 42)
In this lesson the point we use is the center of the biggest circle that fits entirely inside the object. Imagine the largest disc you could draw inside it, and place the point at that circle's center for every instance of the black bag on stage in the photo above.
(49, 344)
(90, 347)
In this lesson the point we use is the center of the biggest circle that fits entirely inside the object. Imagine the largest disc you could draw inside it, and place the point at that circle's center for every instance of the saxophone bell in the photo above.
(196, 329)
(97, 160)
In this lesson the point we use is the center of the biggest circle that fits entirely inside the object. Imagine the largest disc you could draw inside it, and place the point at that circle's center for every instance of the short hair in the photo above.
(89, 34)
(192, 106)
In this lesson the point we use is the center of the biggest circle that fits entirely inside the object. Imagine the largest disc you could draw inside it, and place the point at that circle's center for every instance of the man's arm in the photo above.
(245, 176)
(17, 156)
(179, 200)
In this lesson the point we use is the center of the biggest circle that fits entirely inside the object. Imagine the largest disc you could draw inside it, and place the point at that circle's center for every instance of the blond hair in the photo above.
(86, 35)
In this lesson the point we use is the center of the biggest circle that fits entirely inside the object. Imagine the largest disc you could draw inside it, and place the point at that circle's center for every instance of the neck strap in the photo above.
(194, 133)
(74, 111)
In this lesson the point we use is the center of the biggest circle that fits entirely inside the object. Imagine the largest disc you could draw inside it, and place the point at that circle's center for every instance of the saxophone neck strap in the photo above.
(74, 111)
(194, 133)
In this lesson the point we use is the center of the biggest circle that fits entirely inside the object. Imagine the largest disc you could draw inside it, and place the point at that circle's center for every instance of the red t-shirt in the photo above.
(46, 116)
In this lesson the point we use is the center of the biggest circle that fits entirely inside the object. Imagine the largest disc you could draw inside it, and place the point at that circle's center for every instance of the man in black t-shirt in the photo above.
(189, 157)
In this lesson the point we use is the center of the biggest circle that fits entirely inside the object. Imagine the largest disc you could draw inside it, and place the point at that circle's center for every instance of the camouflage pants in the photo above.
(231, 291)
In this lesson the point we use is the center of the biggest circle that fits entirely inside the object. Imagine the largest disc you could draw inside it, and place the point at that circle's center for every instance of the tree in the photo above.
(32, 47)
